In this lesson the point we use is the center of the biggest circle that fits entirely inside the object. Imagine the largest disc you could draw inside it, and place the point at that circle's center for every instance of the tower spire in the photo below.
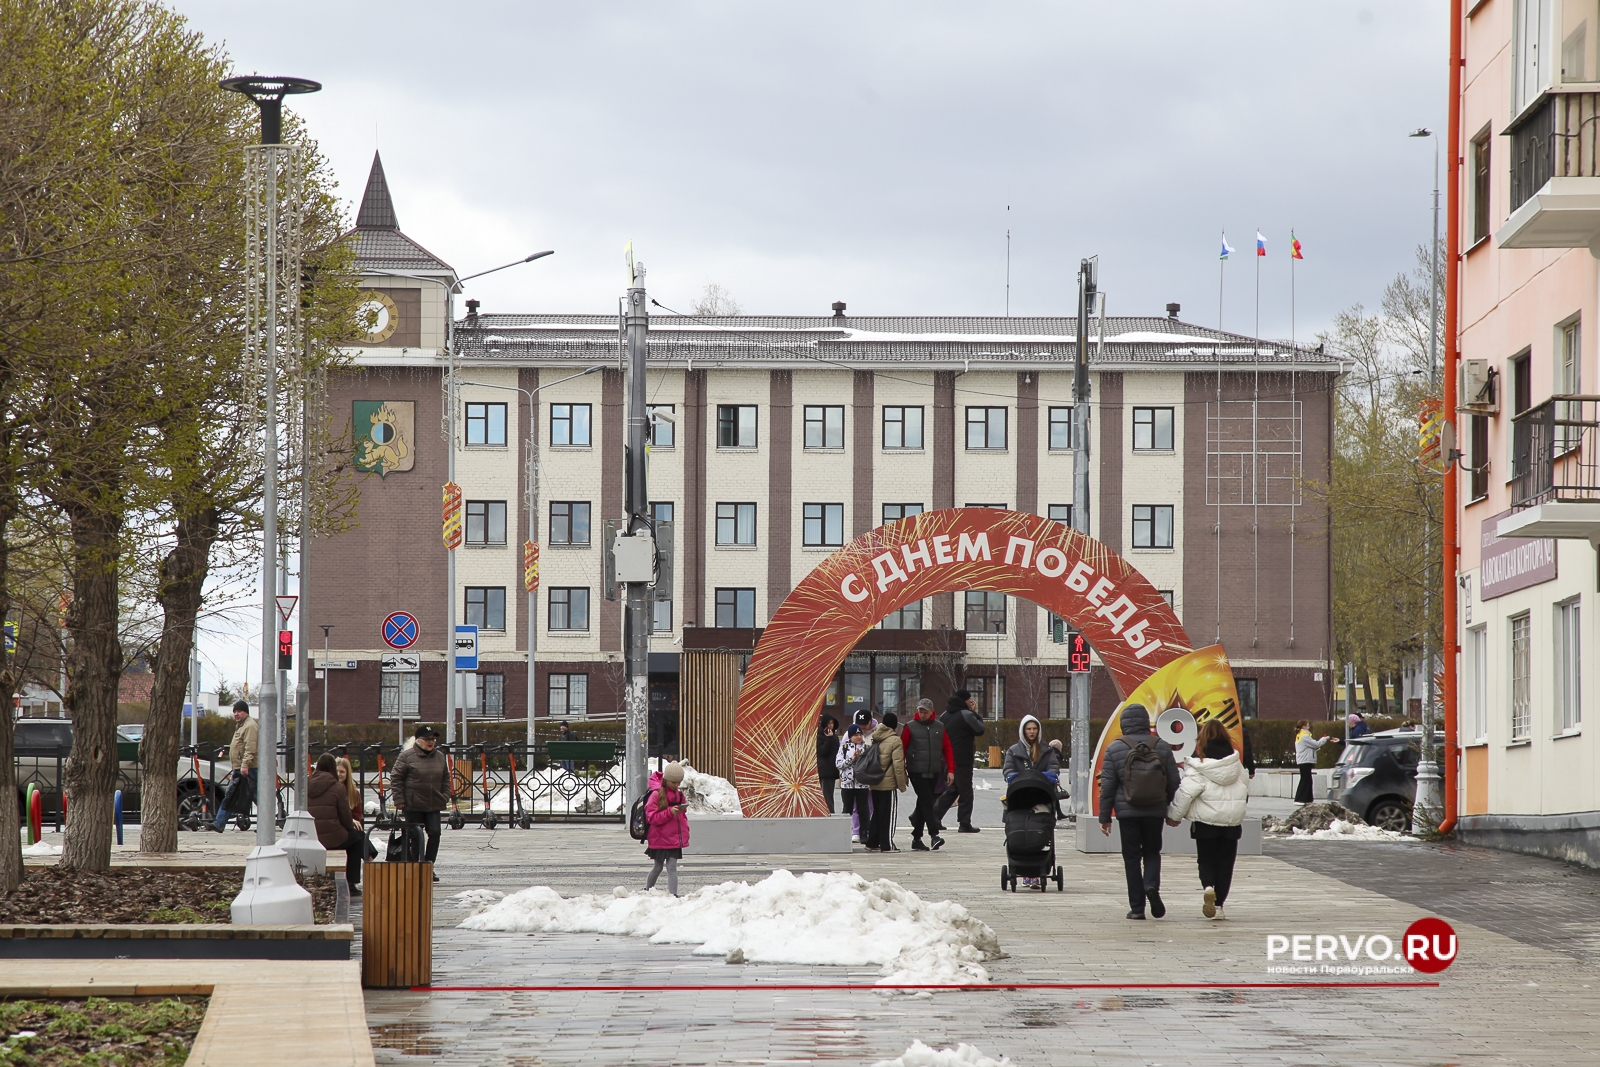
(377, 207)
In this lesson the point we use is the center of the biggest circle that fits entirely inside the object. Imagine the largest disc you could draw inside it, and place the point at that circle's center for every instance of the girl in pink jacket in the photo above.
(666, 816)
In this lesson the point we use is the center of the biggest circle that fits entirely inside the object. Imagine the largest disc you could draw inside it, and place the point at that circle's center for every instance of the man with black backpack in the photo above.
(1138, 779)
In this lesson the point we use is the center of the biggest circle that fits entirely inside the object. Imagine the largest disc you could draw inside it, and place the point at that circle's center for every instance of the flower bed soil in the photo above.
(138, 895)
(99, 1031)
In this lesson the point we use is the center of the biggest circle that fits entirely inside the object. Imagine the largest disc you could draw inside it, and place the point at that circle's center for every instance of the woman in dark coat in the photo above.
(827, 757)
(329, 803)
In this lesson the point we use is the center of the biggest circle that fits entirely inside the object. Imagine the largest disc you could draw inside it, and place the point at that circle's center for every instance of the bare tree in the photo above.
(715, 302)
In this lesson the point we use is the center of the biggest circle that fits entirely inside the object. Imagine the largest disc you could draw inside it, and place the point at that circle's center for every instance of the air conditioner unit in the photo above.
(1477, 390)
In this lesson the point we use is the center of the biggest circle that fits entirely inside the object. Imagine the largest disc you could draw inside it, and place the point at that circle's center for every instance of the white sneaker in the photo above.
(1220, 916)
(1208, 905)
(855, 839)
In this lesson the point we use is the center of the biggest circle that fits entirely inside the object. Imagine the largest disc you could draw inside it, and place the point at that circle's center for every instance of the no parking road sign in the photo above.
(400, 630)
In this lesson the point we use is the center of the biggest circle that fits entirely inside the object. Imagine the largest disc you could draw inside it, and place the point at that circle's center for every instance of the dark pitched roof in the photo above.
(380, 246)
(377, 206)
(904, 340)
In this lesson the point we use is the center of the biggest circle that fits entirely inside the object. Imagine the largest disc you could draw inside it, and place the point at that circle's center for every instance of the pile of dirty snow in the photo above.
(477, 898)
(920, 1055)
(836, 918)
(708, 794)
(1343, 830)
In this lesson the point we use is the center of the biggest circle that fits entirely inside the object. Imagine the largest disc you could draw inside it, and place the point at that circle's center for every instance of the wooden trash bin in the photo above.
(997, 756)
(397, 925)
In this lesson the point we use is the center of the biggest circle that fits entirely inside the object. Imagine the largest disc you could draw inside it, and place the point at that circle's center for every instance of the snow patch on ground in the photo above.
(42, 848)
(708, 794)
(837, 918)
(979, 784)
(478, 898)
(1340, 830)
(920, 1055)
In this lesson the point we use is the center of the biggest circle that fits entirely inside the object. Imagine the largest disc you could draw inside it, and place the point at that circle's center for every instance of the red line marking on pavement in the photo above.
(857, 987)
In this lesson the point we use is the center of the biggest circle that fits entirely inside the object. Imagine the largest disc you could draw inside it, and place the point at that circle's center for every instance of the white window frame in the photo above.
(567, 685)
(1519, 676)
(1567, 649)
(1475, 671)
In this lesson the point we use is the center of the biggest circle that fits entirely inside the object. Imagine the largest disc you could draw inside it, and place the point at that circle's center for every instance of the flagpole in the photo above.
(1258, 283)
(1222, 265)
(1291, 287)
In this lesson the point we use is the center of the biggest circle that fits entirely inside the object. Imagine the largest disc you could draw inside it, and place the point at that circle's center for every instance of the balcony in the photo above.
(1555, 175)
(1555, 471)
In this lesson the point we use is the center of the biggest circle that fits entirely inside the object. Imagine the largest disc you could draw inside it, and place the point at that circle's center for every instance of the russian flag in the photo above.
(1261, 244)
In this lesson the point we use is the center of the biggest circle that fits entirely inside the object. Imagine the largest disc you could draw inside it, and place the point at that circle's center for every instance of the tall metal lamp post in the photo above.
(1428, 795)
(265, 259)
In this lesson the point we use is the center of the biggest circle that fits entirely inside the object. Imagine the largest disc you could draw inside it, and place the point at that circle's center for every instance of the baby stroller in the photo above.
(1030, 822)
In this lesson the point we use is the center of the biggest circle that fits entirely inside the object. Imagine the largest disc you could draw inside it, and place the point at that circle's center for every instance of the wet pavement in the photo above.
(1522, 992)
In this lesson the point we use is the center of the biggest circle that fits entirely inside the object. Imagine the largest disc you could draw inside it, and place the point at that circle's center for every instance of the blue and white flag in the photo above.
(1227, 250)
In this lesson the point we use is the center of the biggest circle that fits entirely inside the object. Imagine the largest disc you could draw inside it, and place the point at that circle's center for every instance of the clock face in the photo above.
(379, 315)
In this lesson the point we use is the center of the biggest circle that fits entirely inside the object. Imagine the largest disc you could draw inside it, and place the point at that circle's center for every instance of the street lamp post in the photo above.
(532, 504)
(326, 678)
(1427, 798)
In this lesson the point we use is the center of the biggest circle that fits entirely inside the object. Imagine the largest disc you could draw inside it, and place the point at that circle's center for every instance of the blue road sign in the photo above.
(400, 630)
(466, 648)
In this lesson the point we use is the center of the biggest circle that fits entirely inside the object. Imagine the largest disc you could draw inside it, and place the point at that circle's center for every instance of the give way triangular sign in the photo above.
(286, 607)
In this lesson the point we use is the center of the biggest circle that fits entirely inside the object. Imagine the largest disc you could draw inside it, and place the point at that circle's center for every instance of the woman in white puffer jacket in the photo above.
(1213, 794)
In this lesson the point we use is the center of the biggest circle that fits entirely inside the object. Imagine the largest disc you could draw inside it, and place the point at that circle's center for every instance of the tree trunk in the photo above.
(95, 667)
(1383, 695)
(180, 582)
(10, 814)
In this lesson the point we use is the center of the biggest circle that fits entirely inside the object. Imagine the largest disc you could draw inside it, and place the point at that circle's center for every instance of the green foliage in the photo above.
(99, 1032)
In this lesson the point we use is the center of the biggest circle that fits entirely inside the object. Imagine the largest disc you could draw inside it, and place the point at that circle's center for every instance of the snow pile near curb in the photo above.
(1340, 830)
(920, 1055)
(708, 794)
(837, 918)
(477, 899)
(41, 848)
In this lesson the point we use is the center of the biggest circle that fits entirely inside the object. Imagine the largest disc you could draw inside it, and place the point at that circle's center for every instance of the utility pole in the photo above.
(635, 545)
(1088, 278)
(302, 689)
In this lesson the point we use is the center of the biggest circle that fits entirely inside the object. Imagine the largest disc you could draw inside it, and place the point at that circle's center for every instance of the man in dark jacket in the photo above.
(421, 785)
(1127, 766)
(963, 727)
(929, 763)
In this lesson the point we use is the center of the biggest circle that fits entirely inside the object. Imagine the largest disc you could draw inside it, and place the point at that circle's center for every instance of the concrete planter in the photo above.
(177, 941)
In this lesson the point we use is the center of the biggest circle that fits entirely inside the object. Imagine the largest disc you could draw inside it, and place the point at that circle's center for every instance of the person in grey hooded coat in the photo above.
(1140, 826)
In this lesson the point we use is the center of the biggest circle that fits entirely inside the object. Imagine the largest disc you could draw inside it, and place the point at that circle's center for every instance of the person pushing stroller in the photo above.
(1033, 757)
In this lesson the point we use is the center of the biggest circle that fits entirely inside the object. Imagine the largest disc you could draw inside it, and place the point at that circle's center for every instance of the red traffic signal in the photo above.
(285, 649)
(1077, 653)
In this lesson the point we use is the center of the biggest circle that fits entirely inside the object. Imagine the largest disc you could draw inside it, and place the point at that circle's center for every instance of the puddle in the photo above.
(408, 1039)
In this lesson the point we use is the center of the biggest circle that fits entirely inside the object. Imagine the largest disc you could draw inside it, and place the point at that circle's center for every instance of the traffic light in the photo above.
(1077, 652)
(285, 650)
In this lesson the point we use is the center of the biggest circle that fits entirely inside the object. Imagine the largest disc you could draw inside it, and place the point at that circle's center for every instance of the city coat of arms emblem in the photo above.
(385, 432)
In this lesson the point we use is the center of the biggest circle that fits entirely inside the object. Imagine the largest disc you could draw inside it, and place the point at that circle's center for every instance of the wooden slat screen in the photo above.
(397, 926)
(708, 694)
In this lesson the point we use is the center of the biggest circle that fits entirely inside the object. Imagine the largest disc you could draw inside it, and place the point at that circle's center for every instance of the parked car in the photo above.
(1376, 776)
(42, 747)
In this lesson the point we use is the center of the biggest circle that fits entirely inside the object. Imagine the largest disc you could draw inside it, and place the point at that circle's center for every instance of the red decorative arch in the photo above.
(1129, 623)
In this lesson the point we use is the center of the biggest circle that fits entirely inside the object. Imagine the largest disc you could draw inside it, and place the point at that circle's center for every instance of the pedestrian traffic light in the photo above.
(285, 649)
(1077, 652)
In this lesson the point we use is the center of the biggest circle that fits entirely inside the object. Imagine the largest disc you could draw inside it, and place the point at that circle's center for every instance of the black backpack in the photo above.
(1144, 777)
(868, 768)
(638, 825)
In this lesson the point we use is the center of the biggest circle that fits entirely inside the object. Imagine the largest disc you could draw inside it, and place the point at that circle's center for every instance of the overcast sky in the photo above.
(867, 152)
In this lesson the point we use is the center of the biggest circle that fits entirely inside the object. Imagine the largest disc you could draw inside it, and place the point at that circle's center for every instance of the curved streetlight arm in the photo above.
(503, 266)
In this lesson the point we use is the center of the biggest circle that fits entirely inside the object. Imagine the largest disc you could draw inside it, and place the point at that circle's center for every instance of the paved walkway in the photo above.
(1511, 998)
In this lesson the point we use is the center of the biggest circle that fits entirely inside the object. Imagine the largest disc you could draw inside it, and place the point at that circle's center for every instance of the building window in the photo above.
(823, 525)
(986, 612)
(1530, 52)
(986, 428)
(1152, 526)
(486, 522)
(1152, 429)
(902, 427)
(569, 425)
(491, 696)
(568, 696)
(997, 507)
(398, 695)
(1521, 677)
(486, 607)
(659, 432)
(1061, 698)
(1061, 513)
(989, 693)
(1521, 382)
(1569, 659)
(1166, 594)
(1480, 186)
(896, 512)
(736, 524)
(1478, 455)
(486, 424)
(906, 618)
(569, 522)
(736, 609)
(824, 426)
(1475, 653)
(1568, 382)
(569, 608)
(1060, 429)
(661, 610)
(1246, 688)
(736, 426)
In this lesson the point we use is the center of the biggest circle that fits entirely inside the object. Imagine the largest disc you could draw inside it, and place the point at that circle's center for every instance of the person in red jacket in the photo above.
(666, 816)
(930, 764)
